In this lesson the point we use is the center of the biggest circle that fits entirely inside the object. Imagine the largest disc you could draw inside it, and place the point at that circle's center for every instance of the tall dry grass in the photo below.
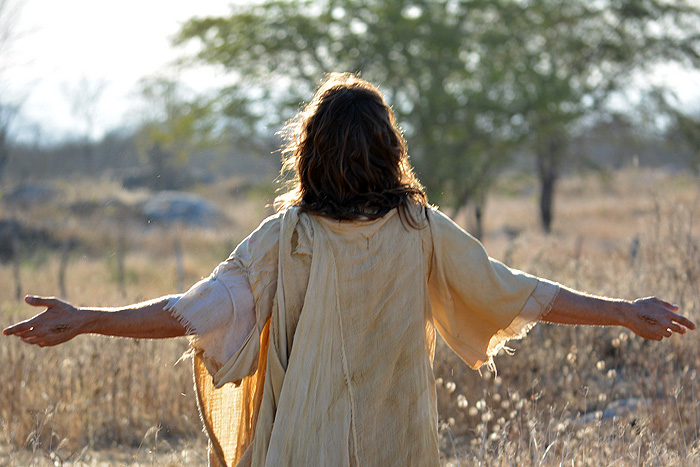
(592, 396)
(569, 395)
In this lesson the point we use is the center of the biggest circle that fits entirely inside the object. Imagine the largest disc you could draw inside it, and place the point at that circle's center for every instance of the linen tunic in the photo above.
(326, 330)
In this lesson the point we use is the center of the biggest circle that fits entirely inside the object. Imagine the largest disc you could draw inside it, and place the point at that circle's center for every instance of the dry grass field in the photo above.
(568, 396)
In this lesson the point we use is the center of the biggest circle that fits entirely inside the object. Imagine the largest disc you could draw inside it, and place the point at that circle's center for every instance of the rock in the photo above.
(15, 235)
(623, 407)
(170, 207)
(26, 195)
(615, 409)
(109, 207)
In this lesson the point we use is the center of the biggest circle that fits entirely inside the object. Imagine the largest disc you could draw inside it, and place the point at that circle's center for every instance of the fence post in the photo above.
(121, 252)
(16, 266)
(63, 265)
(179, 265)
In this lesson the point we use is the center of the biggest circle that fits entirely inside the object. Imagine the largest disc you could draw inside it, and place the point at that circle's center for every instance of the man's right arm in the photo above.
(61, 321)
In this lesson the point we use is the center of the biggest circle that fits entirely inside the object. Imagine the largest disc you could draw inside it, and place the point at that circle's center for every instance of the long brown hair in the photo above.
(346, 154)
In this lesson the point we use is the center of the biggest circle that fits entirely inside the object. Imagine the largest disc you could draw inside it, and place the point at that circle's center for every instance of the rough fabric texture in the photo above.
(219, 314)
(337, 369)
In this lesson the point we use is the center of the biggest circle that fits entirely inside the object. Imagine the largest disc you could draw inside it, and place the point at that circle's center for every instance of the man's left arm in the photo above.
(650, 318)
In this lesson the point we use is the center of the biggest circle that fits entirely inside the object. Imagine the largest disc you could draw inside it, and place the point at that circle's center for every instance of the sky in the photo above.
(63, 47)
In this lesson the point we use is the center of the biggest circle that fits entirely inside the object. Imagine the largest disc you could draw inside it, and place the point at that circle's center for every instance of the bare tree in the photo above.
(84, 98)
(9, 105)
(8, 112)
(9, 17)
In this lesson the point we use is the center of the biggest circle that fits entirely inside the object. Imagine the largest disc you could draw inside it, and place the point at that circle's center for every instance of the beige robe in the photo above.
(337, 369)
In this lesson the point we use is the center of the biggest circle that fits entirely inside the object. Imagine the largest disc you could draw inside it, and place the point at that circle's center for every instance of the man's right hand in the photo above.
(60, 322)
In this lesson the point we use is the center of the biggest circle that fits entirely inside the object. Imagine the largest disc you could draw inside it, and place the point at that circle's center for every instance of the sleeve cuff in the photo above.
(218, 314)
(538, 304)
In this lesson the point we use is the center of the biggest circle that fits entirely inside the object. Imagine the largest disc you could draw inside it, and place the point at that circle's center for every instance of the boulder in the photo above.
(15, 236)
(173, 207)
(31, 194)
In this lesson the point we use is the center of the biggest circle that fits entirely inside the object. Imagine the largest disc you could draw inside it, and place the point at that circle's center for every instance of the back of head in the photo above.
(347, 155)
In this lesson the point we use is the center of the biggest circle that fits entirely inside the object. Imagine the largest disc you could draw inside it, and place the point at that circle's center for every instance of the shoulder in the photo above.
(438, 220)
(269, 227)
(448, 237)
(266, 237)
(272, 225)
(435, 216)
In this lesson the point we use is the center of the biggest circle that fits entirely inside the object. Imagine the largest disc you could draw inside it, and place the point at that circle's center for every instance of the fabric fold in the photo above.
(538, 305)
(337, 364)
(476, 299)
(218, 313)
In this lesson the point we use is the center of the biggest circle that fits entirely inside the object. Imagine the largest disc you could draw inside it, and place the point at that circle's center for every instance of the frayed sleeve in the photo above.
(478, 303)
(225, 313)
(218, 313)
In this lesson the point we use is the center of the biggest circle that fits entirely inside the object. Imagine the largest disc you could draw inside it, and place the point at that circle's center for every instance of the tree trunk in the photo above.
(479, 207)
(548, 163)
(16, 261)
(63, 266)
(4, 150)
(121, 252)
(547, 183)
(7, 115)
(478, 220)
(179, 265)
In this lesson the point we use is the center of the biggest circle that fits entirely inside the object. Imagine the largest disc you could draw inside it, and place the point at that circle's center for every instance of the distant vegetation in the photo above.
(118, 157)
(479, 87)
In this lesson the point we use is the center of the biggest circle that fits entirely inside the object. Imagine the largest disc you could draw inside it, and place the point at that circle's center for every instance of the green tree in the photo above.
(176, 126)
(569, 58)
(8, 113)
(471, 81)
(9, 106)
(424, 55)
(683, 131)
(688, 127)
(84, 98)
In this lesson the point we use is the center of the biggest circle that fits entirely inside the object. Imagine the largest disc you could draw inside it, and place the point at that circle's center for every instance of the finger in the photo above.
(25, 326)
(646, 334)
(684, 321)
(666, 333)
(665, 304)
(31, 339)
(48, 302)
(20, 327)
(28, 332)
(651, 333)
(676, 328)
(47, 332)
(53, 342)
